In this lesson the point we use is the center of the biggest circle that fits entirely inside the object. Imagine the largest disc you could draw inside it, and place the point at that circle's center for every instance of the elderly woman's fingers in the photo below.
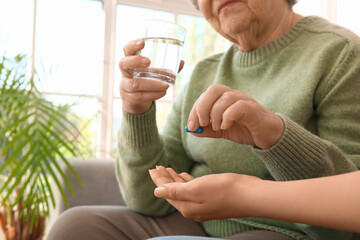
(182, 63)
(242, 112)
(133, 85)
(227, 99)
(131, 60)
(206, 102)
(135, 91)
(193, 120)
(209, 133)
(132, 47)
(211, 105)
(160, 176)
(127, 64)
(134, 98)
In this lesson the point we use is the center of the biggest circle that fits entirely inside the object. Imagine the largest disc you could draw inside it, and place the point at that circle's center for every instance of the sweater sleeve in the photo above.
(140, 148)
(335, 148)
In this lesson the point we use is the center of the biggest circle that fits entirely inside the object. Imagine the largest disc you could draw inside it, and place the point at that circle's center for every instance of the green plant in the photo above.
(36, 138)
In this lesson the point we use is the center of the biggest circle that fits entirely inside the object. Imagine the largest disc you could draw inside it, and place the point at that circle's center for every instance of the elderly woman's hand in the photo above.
(215, 196)
(231, 114)
(137, 94)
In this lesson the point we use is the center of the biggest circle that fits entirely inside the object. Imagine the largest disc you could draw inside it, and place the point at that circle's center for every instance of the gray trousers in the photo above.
(119, 222)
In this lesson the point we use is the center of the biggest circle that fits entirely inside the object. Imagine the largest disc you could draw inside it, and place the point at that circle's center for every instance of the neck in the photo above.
(260, 34)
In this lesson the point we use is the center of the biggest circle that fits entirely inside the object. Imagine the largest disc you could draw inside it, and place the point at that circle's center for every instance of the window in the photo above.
(16, 37)
(76, 45)
(347, 12)
(310, 7)
(68, 58)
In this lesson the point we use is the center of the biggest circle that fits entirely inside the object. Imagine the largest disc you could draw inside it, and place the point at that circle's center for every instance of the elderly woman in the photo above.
(281, 104)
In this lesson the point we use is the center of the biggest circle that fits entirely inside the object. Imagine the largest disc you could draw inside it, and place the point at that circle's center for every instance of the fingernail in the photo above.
(165, 85)
(145, 61)
(160, 192)
(222, 126)
(139, 42)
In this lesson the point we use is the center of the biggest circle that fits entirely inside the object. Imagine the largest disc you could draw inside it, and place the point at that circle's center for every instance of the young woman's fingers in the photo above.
(160, 176)
(174, 175)
(175, 191)
(187, 177)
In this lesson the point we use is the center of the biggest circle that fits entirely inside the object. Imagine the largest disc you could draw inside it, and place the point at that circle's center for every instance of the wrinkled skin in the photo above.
(231, 114)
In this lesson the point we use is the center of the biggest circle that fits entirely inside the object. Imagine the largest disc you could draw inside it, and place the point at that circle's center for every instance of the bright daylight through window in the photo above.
(75, 47)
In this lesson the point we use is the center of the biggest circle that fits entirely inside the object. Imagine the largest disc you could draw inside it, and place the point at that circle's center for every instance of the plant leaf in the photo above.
(57, 182)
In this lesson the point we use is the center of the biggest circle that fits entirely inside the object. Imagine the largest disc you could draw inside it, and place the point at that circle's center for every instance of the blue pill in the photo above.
(199, 130)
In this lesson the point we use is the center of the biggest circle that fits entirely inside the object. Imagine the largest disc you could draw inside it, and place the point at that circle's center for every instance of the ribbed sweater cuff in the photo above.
(298, 155)
(140, 130)
(222, 228)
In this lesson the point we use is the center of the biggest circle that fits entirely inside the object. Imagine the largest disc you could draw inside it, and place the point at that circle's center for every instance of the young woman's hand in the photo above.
(231, 114)
(215, 196)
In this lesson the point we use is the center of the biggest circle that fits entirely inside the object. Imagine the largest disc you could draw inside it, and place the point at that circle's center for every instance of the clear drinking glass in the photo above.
(163, 45)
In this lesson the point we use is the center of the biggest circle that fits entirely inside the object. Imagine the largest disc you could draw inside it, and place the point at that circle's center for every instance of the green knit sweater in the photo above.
(310, 77)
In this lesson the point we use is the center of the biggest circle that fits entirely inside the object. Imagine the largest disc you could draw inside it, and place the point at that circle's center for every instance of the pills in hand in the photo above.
(199, 130)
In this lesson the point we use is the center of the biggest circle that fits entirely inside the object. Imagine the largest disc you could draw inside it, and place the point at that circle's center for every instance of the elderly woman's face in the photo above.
(231, 17)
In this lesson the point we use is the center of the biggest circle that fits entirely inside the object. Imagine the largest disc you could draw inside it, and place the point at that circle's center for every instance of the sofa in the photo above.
(99, 186)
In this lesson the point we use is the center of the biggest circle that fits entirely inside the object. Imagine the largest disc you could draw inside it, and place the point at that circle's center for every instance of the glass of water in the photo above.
(163, 45)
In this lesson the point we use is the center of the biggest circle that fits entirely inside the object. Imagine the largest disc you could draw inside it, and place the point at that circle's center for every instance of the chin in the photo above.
(234, 26)
(235, 20)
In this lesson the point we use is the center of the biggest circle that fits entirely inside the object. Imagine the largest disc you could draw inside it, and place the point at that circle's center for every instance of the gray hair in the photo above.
(290, 2)
(194, 3)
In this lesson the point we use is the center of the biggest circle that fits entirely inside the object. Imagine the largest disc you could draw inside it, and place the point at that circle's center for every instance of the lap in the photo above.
(249, 235)
(118, 222)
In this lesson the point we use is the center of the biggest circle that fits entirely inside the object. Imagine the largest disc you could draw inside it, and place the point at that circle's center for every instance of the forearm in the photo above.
(331, 202)
(142, 148)
(300, 155)
(138, 146)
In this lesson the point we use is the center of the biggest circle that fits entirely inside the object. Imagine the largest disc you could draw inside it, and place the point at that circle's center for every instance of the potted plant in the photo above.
(36, 138)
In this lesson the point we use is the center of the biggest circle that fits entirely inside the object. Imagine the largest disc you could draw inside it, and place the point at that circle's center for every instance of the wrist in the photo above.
(138, 108)
(263, 199)
(247, 192)
(273, 132)
(279, 129)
